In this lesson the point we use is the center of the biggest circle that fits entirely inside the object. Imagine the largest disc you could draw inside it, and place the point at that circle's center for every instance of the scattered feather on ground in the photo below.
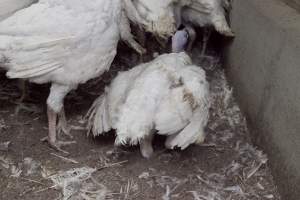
(78, 184)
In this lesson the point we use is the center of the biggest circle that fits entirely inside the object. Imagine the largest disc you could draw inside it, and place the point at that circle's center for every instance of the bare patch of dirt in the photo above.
(227, 166)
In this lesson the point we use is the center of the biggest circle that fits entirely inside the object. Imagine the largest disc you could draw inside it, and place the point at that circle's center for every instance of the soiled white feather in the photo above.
(167, 94)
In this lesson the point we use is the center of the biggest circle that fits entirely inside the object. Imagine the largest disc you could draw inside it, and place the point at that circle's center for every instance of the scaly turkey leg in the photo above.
(52, 117)
(62, 126)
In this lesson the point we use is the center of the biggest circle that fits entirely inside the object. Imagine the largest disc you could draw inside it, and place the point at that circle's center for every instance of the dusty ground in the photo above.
(227, 166)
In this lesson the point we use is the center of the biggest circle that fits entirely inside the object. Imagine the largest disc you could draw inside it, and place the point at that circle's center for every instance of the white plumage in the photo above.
(168, 94)
(8, 7)
(65, 42)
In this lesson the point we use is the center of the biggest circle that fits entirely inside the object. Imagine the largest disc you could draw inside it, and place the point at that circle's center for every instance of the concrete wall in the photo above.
(293, 3)
(263, 64)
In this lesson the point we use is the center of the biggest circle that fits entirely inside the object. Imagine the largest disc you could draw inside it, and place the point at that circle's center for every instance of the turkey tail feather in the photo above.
(98, 117)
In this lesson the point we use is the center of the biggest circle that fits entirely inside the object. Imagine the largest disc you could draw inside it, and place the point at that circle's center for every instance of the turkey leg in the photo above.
(141, 37)
(21, 105)
(206, 36)
(146, 146)
(62, 127)
(52, 139)
(127, 36)
(192, 37)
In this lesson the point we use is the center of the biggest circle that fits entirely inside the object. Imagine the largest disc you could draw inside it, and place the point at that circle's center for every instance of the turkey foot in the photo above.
(146, 146)
(57, 145)
(62, 127)
(28, 107)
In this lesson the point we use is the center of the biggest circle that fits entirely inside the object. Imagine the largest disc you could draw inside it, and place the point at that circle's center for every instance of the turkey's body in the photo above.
(168, 95)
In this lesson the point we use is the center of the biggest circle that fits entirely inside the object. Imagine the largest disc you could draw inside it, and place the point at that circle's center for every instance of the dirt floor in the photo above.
(226, 167)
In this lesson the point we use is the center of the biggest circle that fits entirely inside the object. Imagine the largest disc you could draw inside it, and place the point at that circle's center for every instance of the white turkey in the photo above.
(203, 13)
(168, 95)
(66, 43)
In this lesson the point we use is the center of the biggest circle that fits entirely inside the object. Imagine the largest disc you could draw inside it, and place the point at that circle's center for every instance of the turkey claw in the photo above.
(64, 130)
(58, 144)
